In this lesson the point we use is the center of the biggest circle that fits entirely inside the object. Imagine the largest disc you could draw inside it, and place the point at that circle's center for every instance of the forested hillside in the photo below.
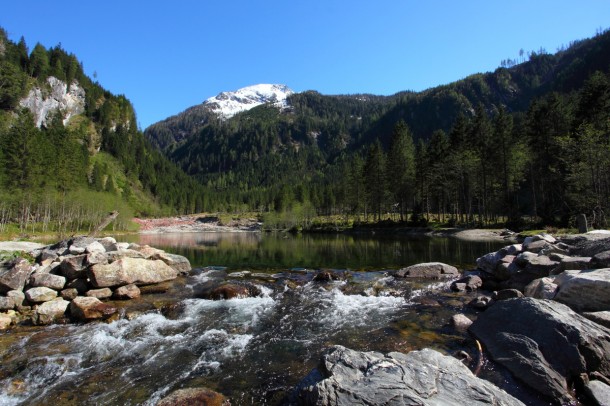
(528, 142)
(63, 166)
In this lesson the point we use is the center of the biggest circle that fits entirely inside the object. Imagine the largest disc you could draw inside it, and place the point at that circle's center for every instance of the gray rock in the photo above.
(587, 290)
(7, 303)
(74, 250)
(69, 294)
(506, 294)
(40, 295)
(194, 396)
(536, 246)
(14, 274)
(433, 270)
(543, 343)
(50, 312)
(426, 377)
(467, 283)
(130, 270)
(480, 302)
(79, 284)
(575, 263)
(74, 267)
(581, 223)
(123, 253)
(542, 288)
(601, 260)
(602, 318)
(177, 262)
(81, 242)
(598, 392)
(97, 257)
(127, 292)
(47, 256)
(514, 249)
(489, 262)
(540, 266)
(589, 246)
(95, 247)
(47, 280)
(460, 322)
(109, 243)
(90, 308)
(121, 246)
(17, 296)
(103, 293)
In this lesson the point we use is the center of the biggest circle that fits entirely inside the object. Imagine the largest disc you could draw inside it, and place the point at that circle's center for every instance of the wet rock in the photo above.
(347, 377)
(14, 274)
(506, 294)
(127, 292)
(103, 293)
(229, 291)
(5, 321)
(427, 301)
(130, 270)
(536, 246)
(460, 322)
(50, 312)
(40, 295)
(480, 302)
(17, 296)
(156, 288)
(90, 308)
(431, 270)
(542, 288)
(543, 343)
(69, 294)
(598, 392)
(177, 262)
(194, 396)
(74, 267)
(467, 284)
(239, 274)
(47, 280)
(6, 303)
(324, 276)
(587, 290)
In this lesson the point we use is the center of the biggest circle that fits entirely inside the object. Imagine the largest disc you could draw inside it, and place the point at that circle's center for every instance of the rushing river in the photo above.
(253, 350)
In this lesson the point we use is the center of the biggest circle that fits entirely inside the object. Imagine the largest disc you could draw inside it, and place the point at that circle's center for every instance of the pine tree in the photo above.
(375, 179)
(401, 168)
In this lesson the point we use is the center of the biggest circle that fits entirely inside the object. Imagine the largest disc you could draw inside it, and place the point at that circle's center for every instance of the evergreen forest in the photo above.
(526, 145)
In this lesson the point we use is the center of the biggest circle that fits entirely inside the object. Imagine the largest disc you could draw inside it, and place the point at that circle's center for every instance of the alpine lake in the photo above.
(253, 350)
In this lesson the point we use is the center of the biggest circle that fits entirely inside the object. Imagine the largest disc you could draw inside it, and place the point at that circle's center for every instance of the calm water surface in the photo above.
(253, 350)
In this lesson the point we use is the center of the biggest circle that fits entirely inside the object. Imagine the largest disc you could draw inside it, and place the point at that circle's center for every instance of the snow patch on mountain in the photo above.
(228, 104)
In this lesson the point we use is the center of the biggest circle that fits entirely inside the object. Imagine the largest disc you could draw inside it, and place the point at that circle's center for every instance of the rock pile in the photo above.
(556, 339)
(70, 278)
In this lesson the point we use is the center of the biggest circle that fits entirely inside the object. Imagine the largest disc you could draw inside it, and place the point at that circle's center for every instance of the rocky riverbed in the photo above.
(540, 309)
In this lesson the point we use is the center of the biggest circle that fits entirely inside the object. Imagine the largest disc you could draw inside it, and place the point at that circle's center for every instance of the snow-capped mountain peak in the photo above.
(228, 104)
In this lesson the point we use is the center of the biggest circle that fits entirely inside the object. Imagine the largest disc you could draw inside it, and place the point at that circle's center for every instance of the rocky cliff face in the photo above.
(43, 102)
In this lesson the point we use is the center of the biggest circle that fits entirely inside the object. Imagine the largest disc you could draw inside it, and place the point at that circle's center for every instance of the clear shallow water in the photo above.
(253, 350)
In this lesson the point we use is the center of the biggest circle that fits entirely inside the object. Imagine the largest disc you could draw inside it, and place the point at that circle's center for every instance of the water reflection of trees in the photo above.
(281, 251)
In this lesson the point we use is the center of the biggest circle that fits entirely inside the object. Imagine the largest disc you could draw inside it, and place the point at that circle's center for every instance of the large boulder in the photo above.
(601, 260)
(544, 343)
(74, 267)
(433, 270)
(130, 270)
(542, 288)
(602, 318)
(47, 280)
(426, 377)
(194, 396)
(127, 292)
(50, 312)
(90, 308)
(14, 274)
(587, 290)
(40, 295)
(177, 262)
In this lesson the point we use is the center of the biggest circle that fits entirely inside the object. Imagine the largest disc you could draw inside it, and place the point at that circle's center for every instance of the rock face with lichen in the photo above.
(44, 102)
(426, 377)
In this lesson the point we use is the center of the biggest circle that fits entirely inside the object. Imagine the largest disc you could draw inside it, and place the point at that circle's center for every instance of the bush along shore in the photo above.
(542, 311)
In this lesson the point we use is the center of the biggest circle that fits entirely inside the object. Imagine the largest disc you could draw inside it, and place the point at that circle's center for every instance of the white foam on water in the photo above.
(433, 287)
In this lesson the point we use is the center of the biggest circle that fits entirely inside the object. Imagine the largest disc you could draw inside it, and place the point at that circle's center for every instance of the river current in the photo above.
(253, 350)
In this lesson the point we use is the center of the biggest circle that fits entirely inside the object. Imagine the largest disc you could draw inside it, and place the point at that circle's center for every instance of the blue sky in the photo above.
(167, 56)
